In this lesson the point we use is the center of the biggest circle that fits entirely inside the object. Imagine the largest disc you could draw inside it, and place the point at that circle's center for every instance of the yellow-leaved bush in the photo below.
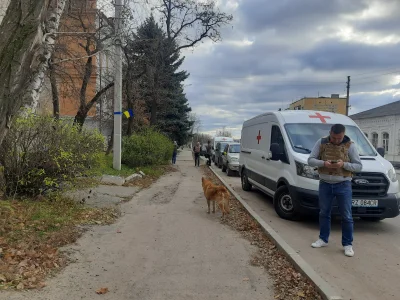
(40, 152)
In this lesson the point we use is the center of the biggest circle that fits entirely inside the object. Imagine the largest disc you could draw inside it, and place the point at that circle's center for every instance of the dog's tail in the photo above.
(224, 204)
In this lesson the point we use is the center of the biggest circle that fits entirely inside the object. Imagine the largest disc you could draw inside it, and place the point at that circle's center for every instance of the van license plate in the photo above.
(364, 203)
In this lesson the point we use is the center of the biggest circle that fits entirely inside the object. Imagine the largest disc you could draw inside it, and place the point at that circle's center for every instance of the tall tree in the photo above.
(188, 22)
(27, 35)
(160, 80)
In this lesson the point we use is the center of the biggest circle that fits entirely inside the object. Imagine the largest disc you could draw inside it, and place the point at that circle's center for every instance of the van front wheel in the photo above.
(285, 205)
(246, 185)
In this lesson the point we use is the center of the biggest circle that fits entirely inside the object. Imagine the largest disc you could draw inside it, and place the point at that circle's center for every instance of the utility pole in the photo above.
(347, 100)
(117, 88)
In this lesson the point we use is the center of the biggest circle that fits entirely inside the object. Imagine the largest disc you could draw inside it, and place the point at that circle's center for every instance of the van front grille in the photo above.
(369, 184)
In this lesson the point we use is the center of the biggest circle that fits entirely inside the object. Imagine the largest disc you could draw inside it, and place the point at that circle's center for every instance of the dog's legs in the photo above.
(213, 207)
(208, 203)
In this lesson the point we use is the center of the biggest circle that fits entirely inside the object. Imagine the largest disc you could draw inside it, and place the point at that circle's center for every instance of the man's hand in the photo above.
(339, 164)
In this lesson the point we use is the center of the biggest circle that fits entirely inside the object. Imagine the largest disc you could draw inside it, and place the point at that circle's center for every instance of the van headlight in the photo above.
(392, 174)
(307, 171)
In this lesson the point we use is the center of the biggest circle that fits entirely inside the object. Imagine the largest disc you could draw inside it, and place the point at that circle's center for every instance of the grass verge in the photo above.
(289, 284)
(107, 169)
(31, 233)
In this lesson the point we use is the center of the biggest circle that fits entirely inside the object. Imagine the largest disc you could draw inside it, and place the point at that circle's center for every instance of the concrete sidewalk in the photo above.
(168, 248)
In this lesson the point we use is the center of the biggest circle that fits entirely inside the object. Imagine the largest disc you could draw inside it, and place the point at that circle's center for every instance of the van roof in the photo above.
(305, 116)
(223, 138)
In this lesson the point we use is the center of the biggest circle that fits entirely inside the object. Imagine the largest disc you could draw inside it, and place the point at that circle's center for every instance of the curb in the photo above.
(326, 291)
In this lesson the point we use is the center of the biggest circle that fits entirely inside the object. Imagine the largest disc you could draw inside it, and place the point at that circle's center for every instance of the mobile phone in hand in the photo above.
(334, 161)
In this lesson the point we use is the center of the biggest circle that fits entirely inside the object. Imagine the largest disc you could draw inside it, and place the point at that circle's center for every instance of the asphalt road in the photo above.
(373, 273)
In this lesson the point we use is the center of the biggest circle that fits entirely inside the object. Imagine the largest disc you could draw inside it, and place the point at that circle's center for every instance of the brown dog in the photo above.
(217, 194)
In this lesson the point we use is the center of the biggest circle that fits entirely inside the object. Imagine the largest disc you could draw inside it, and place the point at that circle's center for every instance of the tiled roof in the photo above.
(381, 111)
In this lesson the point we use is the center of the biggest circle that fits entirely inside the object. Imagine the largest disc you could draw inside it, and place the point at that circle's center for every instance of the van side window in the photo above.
(277, 138)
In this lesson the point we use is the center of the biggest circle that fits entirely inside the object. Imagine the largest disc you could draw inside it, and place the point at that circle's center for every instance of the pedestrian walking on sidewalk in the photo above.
(209, 153)
(336, 157)
(174, 153)
(196, 151)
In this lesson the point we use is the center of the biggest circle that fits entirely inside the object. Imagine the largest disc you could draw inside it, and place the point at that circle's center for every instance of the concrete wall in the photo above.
(388, 124)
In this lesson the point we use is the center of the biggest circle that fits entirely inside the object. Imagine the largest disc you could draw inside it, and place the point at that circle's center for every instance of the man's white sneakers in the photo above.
(348, 251)
(318, 244)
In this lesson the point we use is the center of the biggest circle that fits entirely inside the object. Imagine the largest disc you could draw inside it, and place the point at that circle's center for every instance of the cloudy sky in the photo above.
(278, 51)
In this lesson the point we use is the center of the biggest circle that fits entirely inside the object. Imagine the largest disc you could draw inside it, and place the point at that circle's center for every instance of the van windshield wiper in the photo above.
(302, 148)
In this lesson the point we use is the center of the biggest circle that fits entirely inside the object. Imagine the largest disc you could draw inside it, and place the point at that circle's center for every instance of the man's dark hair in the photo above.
(209, 141)
(338, 128)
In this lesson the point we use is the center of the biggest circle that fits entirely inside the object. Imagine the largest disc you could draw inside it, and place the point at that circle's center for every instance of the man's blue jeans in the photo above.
(343, 193)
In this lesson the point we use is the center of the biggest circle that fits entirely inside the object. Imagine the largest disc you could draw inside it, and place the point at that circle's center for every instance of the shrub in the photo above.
(39, 153)
(145, 148)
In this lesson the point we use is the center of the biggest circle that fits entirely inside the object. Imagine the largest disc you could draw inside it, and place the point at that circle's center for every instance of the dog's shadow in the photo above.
(200, 199)
(201, 209)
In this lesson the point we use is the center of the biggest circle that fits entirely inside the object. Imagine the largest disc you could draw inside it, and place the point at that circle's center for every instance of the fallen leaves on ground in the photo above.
(31, 231)
(289, 284)
(102, 291)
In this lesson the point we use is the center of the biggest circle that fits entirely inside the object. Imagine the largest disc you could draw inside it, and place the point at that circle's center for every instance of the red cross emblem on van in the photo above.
(259, 137)
(319, 116)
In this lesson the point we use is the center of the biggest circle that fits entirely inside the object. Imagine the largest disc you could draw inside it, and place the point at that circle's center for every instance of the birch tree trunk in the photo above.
(27, 41)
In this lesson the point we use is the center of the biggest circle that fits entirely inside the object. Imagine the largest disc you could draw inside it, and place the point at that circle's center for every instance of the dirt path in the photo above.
(168, 248)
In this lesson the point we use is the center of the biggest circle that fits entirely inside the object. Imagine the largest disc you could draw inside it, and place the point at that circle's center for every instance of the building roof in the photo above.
(380, 111)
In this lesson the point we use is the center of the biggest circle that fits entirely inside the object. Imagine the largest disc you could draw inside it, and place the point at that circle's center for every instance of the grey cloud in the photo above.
(285, 15)
(336, 55)
(287, 61)
(389, 23)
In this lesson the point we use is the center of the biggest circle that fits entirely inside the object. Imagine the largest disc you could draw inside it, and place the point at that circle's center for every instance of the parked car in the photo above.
(219, 148)
(275, 147)
(230, 158)
(223, 139)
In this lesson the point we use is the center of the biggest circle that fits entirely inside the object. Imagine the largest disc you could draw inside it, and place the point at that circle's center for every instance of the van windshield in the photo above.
(234, 149)
(304, 136)
(223, 146)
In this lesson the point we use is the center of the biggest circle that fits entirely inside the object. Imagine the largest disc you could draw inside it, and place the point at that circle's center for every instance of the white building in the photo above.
(382, 127)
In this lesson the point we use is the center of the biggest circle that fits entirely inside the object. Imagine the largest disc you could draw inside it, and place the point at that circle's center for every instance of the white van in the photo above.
(222, 139)
(275, 147)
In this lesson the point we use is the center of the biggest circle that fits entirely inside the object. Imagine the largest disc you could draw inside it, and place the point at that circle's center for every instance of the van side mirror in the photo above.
(381, 151)
(275, 151)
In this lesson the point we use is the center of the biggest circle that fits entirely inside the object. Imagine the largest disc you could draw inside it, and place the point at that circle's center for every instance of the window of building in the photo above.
(385, 141)
(374, 139)
(366, 134)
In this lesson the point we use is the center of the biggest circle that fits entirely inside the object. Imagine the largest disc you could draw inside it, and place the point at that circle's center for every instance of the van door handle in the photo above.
(263, 157)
